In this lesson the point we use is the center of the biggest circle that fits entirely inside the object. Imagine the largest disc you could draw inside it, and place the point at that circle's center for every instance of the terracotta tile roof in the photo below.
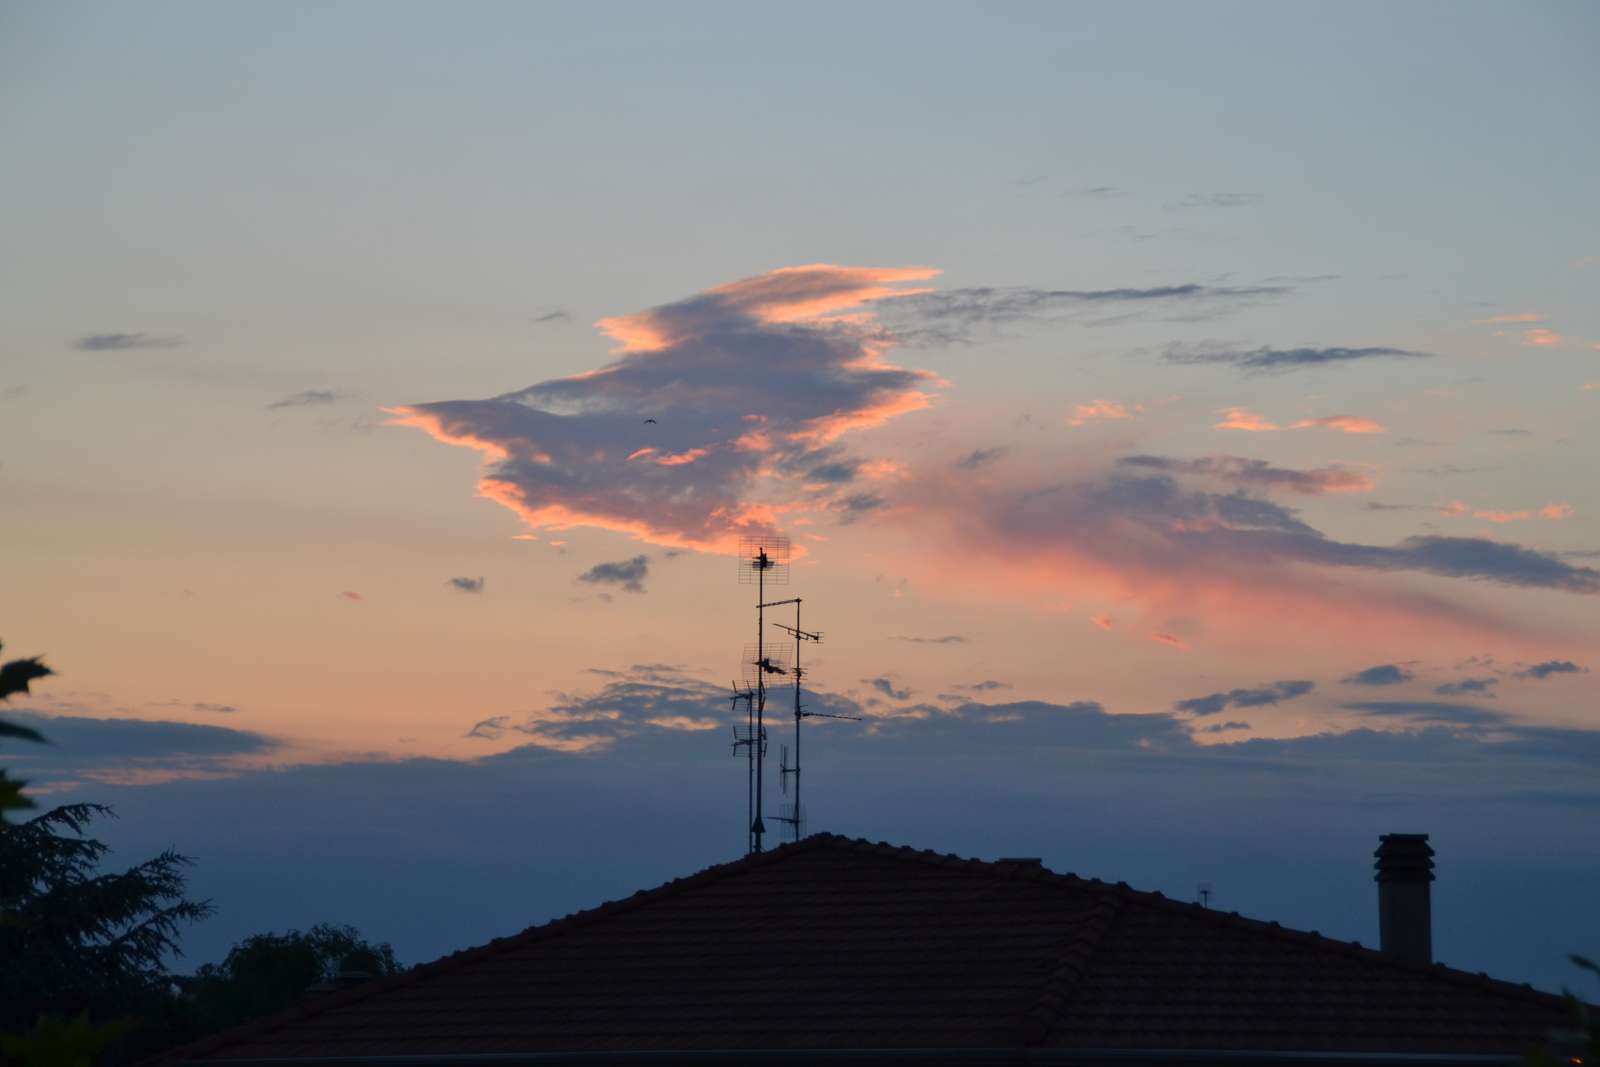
(841, 944)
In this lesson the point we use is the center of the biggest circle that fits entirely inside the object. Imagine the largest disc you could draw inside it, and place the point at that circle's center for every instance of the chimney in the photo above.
(1405, 914)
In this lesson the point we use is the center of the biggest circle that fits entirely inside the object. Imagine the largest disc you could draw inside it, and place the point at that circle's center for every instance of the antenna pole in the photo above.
(798, 641)
(756, 827)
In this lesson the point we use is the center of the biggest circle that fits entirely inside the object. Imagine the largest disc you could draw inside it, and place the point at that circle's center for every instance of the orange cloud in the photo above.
(1170, 639)
(1101, 411)
(788, 294)
(1539, 337)
(1500, 320)
(1244, 419)
(1342, 423)
(795, 352)
(351, 595)
(1102, 621)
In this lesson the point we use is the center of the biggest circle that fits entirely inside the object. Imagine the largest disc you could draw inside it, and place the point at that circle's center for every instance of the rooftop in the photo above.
(840, 944)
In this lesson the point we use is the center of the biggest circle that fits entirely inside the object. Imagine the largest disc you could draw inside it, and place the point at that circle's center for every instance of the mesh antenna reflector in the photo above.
(764, 558)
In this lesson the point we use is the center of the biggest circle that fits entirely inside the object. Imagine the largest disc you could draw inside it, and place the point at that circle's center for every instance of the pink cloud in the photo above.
(1342, 423)
(1244, 419)
(1102, 621)
(349, 595)
(796, 351)
(1549, 513)
(1101, 411)
(1171, 640)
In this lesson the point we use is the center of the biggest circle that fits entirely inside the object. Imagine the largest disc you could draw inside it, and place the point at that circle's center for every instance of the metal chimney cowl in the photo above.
(1405, 910)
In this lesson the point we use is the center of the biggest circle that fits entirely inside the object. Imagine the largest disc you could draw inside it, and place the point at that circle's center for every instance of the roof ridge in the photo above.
(461, 957)
(1150, 898)
(1070, 968)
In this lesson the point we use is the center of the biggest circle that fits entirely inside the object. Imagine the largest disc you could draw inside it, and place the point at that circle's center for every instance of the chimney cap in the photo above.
(1404, 858)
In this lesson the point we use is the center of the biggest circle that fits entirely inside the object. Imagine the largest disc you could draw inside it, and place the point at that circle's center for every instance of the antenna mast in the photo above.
(763, 560)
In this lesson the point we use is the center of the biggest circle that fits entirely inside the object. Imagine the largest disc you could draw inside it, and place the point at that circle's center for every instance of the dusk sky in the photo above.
(1183, 416)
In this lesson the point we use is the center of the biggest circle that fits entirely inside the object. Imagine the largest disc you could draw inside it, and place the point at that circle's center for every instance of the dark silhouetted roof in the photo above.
(833, 943)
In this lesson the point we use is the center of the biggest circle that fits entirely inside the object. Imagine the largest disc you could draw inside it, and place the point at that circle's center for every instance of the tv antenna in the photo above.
(1203, 892)
(763, 561)
(794, 814)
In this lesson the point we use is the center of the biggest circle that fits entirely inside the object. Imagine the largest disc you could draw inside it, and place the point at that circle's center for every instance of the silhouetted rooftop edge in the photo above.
(1093, 954)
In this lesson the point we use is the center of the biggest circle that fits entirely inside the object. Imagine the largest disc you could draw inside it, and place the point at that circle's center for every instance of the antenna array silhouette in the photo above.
(763, 561)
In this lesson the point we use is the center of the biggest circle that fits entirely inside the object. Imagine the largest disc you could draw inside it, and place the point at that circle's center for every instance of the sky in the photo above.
(1177, 413)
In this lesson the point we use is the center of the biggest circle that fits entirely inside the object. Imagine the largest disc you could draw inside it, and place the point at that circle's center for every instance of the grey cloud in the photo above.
(1194, 200)
(490, 729)
(553, 316)
(83, 747)
(215, 709)
(119, 342)
(627, 573)
(1427, 711)
(1188, 529)
(466, 585)
(839, 472)
(1466, 686)
(886, 687)
(309, 398)
(1246, 698)
(946, 639)
(856, 505)
(1382, 674)
(986, 686)
(1277, 360)
(1223, 727)
(978, 457)
(952, 316)
(1549, 667)
(1258, 473)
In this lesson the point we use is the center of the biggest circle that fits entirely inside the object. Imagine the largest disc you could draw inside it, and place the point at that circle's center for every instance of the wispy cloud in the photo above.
(954, 316)
(1261, 696)
(1101, 411)
(122, 342)
(350, 594)
(1342, 423)
(1246, 420)
(1549, 667)
(1428, 711)
(946, 639)
(1260, 475)
(1541, 337)
(1223, 200)
(1280, 360)
(887, 687)
(1516, 317)
(979, 457)
(466, 585)
(629, 574)
(1467, 687)
(1382, 674)
(310, 398)
(1549, 513)
(559, 315)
